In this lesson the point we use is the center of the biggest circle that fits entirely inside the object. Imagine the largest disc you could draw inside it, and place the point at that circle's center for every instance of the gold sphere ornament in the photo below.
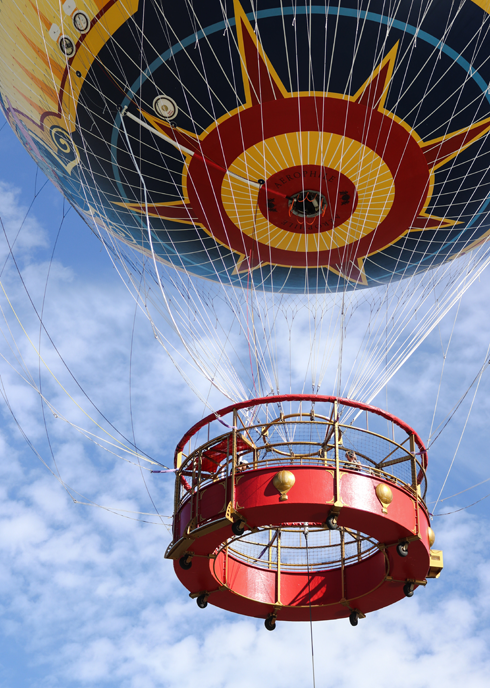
(431, 536)
(385, 496)
(283, 482)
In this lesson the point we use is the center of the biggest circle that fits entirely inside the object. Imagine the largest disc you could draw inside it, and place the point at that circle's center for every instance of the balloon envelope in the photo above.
(298, 149)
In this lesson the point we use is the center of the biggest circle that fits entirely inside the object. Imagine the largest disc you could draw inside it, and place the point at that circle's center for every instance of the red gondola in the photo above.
(325, 520)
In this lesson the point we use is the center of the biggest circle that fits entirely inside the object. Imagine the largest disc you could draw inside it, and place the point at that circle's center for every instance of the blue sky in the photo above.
(86, 597)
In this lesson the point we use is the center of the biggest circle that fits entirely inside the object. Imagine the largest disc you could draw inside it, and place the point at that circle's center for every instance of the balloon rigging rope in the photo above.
(265, 173)
(88, 435)
(416, 339)
(120, 512)
(220, 352)
(431, 320)
(467, 489)
(20, 360)
(168, 27)
(464, 428)
(252, 312)
(248, 273)
(149, 233)
(444, 358)
(438, 271)
(159, 336)
(251, 285)
(455, 408)
(39, 373)
(40, 358)
(312, 322)
(373, 66)
(131, 410)
(200, 363)
(288, 68)
(463, 508)
(70, 491)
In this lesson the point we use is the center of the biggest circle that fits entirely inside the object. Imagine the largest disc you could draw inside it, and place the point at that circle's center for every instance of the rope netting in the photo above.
(236, 327)
(238, 333)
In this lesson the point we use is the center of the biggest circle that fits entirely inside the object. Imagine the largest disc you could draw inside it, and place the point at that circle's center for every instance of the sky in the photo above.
(86, 596)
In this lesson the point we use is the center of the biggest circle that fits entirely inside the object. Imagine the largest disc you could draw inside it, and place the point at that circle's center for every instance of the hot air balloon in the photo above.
(279, 173)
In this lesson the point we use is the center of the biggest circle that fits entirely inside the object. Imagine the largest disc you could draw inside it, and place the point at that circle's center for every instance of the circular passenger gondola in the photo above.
(301, 515)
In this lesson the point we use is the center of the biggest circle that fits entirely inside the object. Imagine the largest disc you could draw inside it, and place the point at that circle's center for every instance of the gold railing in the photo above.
(300, 440)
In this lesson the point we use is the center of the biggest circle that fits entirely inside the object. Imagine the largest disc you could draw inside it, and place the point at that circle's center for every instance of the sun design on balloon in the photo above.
(308, 180)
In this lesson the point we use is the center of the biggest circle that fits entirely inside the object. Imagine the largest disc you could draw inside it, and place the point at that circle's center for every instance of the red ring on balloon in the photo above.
(383, 135)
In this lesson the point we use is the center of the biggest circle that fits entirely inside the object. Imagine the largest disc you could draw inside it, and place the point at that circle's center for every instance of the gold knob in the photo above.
(283, 482)
(432, 536)
(385, 496)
